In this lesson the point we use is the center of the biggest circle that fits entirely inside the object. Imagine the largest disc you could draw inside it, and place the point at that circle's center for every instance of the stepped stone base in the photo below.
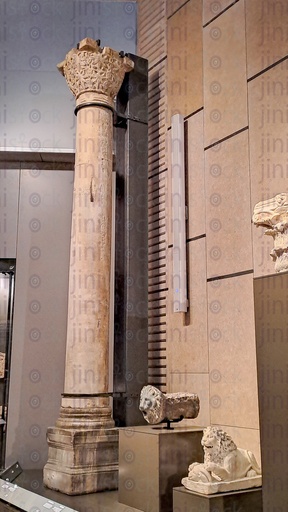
(81, 461)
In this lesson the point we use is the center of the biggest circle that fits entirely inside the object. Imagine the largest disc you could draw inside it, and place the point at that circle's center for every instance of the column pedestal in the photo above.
(82, 461)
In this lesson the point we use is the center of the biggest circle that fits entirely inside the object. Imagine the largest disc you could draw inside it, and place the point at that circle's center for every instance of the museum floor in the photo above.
(96, 502)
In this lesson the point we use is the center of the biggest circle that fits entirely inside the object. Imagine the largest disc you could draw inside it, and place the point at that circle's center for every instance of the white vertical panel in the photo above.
(178, 214)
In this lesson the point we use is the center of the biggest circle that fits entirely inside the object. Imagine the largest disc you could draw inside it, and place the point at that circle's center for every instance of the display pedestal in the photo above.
(271, 322)
(249, 500)
(153, 460)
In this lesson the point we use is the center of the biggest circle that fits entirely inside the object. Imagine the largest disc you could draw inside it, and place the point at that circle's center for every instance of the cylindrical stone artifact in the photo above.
(83, 446)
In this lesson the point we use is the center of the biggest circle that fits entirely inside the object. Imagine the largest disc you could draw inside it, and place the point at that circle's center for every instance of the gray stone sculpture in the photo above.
(225, 466)
(158, 407)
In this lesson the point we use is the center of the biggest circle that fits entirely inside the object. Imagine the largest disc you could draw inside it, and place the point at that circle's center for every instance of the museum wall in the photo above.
(36, 206)
(223, 66)
(37, 137)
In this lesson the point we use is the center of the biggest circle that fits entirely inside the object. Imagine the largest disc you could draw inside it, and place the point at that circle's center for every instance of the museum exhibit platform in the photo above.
(153, 460)
(248, 500)
(28, 494)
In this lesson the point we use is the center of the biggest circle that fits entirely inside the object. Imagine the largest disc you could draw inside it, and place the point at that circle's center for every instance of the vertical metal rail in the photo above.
(131, 245)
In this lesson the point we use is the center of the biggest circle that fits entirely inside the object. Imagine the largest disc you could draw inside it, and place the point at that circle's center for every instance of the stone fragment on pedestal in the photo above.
(273, 215)
(157, 407)
(83, 446)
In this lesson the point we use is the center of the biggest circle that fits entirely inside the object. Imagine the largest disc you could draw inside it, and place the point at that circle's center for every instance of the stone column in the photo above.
(273, 215)
(83, 446)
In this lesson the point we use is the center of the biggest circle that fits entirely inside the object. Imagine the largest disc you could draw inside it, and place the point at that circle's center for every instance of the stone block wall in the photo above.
(223, 65)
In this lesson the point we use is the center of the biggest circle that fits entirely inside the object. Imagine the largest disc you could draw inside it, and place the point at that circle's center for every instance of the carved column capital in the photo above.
(273, 215)
(94, 74)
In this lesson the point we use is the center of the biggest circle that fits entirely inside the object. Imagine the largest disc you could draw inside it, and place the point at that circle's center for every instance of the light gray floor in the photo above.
(96, 502)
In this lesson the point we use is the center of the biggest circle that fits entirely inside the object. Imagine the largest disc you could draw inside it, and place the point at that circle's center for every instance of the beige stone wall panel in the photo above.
(225, 86)
(267, 31)
(193, 383)
(268, 134)
(195, 176)
(184, 60)
(174, 5)
(187, 348)
(232, 352)
(213, 8)
(228, 209)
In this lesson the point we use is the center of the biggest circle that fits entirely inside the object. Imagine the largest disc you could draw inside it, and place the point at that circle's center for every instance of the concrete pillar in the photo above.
(83, 446)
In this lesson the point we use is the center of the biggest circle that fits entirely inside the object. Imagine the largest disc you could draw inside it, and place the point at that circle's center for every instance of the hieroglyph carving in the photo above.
(225, 466)
(273, 215)
(157, 406)
(92, 69)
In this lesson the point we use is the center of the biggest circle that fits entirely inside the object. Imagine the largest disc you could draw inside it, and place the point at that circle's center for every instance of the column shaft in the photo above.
(90, 256)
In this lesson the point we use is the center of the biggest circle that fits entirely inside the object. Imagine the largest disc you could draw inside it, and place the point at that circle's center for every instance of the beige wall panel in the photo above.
(267, 42)
(232, 354)
(173, 5)
(9, 192)
(228, 210)
(193, 383)
(195, 176)
(225, 86)
(40, 313)
(212, 8)
(268, 134)
(187, 345)
(184, 60)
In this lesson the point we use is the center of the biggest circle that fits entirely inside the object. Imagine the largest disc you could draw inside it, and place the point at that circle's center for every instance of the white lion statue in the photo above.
(223, 461)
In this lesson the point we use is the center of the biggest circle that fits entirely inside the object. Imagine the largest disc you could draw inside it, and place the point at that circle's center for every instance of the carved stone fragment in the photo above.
(273, 215)
(157, 407)
(95, 72)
